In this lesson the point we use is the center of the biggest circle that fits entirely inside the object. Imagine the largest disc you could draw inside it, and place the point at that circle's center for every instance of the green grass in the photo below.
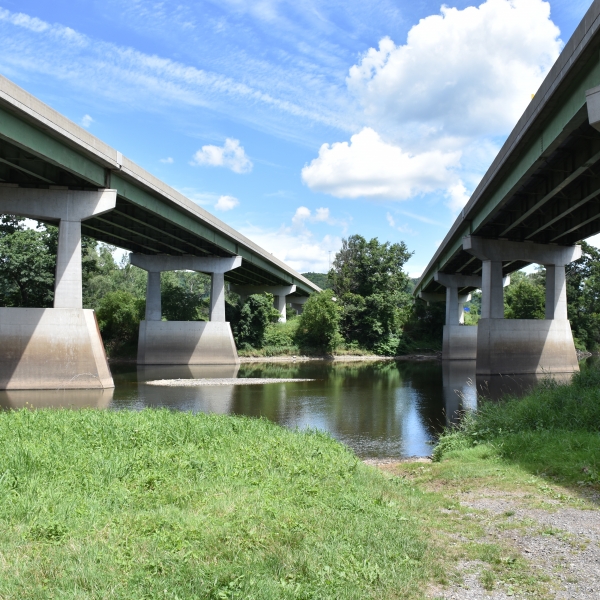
(554, 431)
(158, 504)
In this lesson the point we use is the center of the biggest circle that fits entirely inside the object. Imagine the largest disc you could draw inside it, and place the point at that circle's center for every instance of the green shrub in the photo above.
(319, 325)
(119, 315)
(254, 317)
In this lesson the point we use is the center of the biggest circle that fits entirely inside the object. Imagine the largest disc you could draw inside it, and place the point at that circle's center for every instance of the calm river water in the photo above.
(379, 409)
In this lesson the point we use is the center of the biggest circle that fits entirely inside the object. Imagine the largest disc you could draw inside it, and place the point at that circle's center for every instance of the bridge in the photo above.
(55, 171)
(540, 196)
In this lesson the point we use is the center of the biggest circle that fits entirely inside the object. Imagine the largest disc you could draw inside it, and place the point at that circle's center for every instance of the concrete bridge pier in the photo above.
(298, 303)
(186, 342)
(513, 346)
(460, 341)
(280, 293)
(60, 347)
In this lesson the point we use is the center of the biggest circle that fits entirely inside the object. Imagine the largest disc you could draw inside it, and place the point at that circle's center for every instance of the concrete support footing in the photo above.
(186, 343)
(460, 342)
(51, 348)
(513, 346)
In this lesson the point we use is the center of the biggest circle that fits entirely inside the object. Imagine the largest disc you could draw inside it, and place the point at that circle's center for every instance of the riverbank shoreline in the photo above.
(338, 358)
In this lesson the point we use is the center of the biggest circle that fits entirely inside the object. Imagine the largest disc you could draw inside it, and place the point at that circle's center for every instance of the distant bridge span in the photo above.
(541, 192)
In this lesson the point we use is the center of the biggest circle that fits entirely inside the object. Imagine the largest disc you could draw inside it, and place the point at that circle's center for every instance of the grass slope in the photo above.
(157, 504)
(554, 431)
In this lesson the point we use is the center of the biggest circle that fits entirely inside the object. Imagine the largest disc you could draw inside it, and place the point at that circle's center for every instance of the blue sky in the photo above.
(298, 123)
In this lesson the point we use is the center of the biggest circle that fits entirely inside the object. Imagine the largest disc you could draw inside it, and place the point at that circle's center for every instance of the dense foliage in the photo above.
(252, 320)
(319, 322)
(525, 296)
(368, 279)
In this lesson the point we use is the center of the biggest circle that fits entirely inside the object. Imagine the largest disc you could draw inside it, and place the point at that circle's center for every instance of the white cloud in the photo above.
(230, 155)
(298, 248)
(225, 203)
(86, 121)
(167, 161)
(457, 196)
(460, 73)
(322, 215)
(372, 168)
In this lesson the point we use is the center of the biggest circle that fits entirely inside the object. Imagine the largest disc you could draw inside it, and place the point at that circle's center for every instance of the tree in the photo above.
(255, 314)
(119, 314)
(368, 279)
(319, 322)
(27, 265)
(583, 297)
(525, 297)
(320, 279)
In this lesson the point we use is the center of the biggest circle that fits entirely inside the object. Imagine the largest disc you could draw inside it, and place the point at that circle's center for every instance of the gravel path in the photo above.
(221, 381)
(561, 541)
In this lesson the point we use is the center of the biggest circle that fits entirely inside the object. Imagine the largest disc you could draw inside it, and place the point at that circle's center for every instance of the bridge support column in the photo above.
(460, 341)
(60, 347)
(515, 346)
(186, 342)
(280, 293)
(298, 303)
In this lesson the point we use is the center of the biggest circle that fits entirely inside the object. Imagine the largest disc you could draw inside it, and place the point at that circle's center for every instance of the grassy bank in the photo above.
(157, 504)
(554, 431)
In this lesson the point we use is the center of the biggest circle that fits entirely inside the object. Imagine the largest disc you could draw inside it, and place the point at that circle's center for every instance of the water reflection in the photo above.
(15, 399)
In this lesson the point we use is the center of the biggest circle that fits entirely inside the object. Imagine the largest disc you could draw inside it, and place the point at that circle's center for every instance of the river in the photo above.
(382, 410)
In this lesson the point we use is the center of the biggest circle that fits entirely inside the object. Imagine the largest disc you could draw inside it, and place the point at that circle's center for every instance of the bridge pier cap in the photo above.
(215, 266)
(523, 345)
(493, 252)
(43, 348)
(279, 295)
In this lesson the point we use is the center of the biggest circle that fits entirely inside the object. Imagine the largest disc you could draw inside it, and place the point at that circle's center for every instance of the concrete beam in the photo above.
(458, 280)
(69, 208)
(276, 290)
(592, 100)
(203, 264)
(504, 250)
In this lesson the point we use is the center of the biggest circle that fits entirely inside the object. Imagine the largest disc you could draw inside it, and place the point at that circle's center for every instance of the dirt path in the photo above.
(555, 531)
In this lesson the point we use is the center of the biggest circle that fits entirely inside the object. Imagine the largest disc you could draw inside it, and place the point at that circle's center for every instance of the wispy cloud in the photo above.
(128, 76)
(167, 161)
(86, 121)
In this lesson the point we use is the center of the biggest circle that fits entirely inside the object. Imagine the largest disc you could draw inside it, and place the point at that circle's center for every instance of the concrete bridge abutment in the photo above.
(59, 347)
(515, 346)
(186, 342)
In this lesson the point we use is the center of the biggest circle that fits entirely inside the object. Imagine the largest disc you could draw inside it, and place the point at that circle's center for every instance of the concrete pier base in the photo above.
(51, 348)
(460, 342)
(186, 343)
(512, 346)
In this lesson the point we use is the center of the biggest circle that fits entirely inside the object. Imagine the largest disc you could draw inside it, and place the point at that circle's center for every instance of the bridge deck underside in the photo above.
(128, 226)
(558, 203)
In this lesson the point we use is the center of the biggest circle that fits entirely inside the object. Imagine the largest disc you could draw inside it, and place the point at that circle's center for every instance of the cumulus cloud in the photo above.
(460, 73)
(167, 161)
(231, 155)
(298, 248)
(225, 203)
(370, 167)
(321, 215)
(86, 121)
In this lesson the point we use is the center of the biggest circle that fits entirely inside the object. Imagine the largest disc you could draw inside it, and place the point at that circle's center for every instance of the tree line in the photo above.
(366, 305)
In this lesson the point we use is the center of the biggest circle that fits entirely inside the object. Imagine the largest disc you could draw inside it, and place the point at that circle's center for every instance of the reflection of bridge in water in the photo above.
(540, 196)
